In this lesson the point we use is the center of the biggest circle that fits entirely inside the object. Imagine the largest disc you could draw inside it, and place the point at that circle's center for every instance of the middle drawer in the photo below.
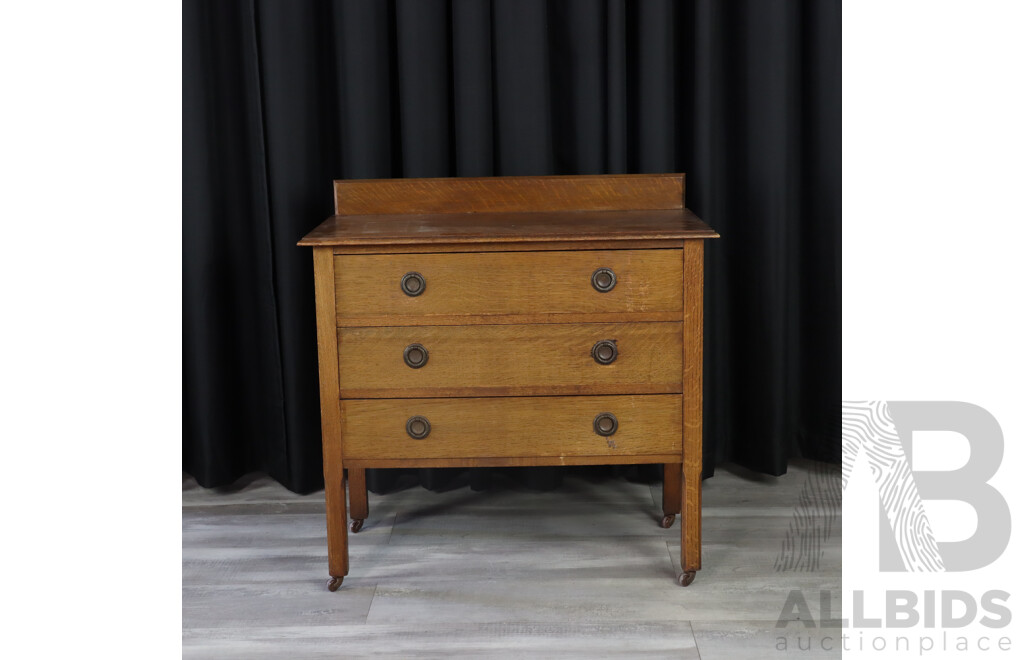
(510, 360)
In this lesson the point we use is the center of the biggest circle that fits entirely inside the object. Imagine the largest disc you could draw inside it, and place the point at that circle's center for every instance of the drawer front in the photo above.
(510, 360)
(511, 427)
(497, 287)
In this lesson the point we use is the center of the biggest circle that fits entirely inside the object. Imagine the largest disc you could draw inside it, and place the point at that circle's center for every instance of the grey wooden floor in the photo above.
(584, 571)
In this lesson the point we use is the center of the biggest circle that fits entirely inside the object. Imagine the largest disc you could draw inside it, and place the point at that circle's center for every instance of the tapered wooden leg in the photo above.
(670, 494)
(358, 504)
(337, 528)
(690, 527)
(693, 407)
(330, 415)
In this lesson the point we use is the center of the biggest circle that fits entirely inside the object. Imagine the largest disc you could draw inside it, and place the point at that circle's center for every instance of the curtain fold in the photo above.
(282, 98)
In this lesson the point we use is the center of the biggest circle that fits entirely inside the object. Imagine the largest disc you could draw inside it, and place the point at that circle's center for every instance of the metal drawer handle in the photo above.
(413, 284)
(603, 279)
(605, 351)
(417, 427)
(415, 355)
(606, 424)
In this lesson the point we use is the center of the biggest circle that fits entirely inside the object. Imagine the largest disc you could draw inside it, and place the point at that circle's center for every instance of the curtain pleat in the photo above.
(281, 98)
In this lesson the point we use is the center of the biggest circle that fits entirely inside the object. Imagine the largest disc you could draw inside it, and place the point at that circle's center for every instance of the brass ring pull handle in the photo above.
(603, 279)
(605, 351)
(413, 284)
(415, 355)
(606, 424)
(417, 427)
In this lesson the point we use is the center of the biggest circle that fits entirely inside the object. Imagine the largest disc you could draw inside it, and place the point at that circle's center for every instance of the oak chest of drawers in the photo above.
(509, 321)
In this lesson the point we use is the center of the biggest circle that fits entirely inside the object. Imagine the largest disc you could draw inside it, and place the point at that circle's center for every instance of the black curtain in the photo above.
(280, 98)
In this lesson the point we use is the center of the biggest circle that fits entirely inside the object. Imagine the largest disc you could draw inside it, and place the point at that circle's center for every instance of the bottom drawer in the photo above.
(512, 427)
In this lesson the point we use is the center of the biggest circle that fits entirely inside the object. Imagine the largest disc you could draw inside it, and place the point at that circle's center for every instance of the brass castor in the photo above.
(686, 578)
(334, 583)
(357, 524)
(667, 521)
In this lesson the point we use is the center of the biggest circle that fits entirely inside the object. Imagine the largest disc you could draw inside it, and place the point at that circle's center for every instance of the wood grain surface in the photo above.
(506, 284)
(672, 494)
(330, 422)
(510, 360)
(358, 504)
(693, 404)
(512, 461)
(573, 227)
(510, 193)
(538, 246)
(512, 427)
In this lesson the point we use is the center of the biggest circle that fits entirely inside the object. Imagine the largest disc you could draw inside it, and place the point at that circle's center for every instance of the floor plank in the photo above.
(757, 640)
(657, 639)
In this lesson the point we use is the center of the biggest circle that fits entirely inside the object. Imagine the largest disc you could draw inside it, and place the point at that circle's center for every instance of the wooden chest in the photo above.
(509, 321)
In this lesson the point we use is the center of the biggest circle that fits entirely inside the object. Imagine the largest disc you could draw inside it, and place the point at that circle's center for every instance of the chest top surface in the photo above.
(631, 207)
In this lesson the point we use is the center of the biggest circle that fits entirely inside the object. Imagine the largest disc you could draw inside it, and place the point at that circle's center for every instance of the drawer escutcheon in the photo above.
(606, 424)
(603, 279)
(417, 427)
(415, 355)
(605, 351)
(413, 284)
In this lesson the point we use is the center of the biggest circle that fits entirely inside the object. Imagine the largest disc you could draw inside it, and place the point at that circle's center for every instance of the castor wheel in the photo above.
(667, 521)
(357, 524)
(686, 578)
(334, 583)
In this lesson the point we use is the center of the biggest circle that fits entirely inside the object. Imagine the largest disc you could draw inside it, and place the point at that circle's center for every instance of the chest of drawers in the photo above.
(510, 321)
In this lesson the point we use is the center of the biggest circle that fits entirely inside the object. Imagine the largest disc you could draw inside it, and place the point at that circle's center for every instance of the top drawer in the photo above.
(509, 287)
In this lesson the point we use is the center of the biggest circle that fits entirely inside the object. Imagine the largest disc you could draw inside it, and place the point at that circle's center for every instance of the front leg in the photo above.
(337, 528)
(693, 402)
(690, 528)
(330, 415)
